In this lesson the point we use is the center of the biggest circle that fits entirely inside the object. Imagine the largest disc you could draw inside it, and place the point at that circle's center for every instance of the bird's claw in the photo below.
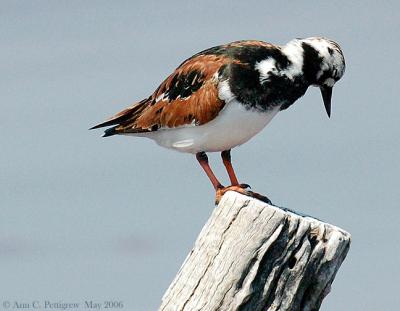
(245, 186)
(221, 191)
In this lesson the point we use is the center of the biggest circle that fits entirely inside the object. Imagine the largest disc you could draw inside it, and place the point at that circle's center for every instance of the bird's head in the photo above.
(323, 65)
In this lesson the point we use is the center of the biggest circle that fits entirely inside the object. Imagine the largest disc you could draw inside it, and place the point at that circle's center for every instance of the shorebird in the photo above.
(221, 97)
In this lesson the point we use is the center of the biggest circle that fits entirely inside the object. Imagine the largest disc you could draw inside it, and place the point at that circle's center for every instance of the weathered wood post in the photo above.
(254, 256)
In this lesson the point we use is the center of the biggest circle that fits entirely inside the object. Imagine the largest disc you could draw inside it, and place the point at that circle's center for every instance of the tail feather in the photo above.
(117, 119)
(104, 124)
(120, 118)
(110, 132)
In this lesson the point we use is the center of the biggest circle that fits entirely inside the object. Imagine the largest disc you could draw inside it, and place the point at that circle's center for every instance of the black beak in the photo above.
(326, 92)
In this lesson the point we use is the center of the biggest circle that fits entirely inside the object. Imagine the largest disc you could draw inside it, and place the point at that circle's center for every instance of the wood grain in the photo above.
(254, 256)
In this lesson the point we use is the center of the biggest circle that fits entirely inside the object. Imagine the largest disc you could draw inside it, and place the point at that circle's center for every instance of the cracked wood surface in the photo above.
(254, 256)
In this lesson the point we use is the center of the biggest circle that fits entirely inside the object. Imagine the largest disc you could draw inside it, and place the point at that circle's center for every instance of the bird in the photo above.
(223, 96)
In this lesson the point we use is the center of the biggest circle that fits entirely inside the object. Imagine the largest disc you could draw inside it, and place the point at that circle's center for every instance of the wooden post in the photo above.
(254, 256)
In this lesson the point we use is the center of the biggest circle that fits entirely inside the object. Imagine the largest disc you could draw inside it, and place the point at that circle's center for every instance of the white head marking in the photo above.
(294, 53)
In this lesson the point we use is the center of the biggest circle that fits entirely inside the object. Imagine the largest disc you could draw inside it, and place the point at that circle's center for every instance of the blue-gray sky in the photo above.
(85, 217)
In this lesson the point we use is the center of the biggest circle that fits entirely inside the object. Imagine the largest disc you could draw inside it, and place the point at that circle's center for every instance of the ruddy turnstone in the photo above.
(221, 97)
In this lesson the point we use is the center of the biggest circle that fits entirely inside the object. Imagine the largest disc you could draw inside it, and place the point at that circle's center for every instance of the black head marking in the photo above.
(311, 63)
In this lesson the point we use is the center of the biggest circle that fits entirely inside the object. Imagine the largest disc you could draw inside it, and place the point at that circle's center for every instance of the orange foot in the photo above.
(241, 189)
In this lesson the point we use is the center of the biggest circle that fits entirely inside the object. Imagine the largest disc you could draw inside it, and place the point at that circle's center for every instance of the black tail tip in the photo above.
(109, 132)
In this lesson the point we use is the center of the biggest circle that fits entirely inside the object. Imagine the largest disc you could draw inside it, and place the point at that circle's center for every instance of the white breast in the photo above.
(233, 126)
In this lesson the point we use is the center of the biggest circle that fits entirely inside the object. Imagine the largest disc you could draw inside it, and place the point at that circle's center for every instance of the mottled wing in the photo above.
(189, 96)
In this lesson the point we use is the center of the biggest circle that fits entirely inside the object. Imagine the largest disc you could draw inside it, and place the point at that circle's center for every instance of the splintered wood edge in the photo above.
(231, 198)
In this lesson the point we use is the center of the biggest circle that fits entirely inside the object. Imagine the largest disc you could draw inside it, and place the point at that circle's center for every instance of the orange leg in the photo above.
(235, 186)
(203, 160)
(219, 188)
(226, 158)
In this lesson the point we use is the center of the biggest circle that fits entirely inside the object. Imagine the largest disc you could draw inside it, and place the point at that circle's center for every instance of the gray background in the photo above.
(89, 218)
